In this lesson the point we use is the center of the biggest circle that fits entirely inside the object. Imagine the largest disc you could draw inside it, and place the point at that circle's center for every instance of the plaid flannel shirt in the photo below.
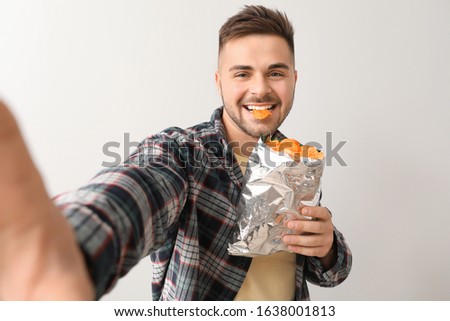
(175, 199)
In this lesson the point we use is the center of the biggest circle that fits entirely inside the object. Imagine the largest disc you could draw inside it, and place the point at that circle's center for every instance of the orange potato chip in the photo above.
(290, 145)
(311, 152)
(294, 148)
(273, 144)
(279, 218)
(261, 114)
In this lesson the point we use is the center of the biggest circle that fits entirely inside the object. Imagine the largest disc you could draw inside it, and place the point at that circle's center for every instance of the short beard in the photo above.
(249, 130)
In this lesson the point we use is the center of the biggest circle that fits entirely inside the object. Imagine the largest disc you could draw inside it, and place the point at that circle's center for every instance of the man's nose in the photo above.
(260, 86)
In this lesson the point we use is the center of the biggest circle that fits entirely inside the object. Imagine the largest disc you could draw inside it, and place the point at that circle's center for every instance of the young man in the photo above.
(174, 199)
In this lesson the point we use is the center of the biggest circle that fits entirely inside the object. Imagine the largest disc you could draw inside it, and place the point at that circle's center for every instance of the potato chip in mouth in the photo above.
(261, 113)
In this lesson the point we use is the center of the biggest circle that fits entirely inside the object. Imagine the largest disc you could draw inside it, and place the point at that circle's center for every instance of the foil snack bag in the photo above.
(276, 185)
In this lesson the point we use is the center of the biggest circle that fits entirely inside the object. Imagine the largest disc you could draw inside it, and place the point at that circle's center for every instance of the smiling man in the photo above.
(174, 199)
(256, 72)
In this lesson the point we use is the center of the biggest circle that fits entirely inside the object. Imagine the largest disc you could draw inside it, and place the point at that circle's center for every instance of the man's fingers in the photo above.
(310, 240)
(309, 251)
(309, 245)
(310, 237)
(21, 188)
(8, 124)
(319, 224)
(317, 212)
(41, 259)
(304, 226)
(16, 165)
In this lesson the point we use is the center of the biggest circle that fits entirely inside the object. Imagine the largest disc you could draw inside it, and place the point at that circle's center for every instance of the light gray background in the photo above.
(79, 74)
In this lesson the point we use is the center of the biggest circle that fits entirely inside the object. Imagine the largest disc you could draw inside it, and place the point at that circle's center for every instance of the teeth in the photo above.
(250, 107)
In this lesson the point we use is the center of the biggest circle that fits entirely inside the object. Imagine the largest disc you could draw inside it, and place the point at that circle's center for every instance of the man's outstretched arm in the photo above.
(39, 256)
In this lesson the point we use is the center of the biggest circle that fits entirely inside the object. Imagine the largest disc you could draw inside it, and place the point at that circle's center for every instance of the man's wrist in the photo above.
(330, 258)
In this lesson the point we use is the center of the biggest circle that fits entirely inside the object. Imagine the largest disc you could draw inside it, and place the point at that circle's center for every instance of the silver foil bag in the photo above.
(275, 187)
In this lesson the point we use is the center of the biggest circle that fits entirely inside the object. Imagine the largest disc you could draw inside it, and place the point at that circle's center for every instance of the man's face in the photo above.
(255, 72)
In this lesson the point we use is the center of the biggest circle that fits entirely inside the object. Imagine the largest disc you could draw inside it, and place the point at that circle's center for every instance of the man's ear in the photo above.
(218, 84)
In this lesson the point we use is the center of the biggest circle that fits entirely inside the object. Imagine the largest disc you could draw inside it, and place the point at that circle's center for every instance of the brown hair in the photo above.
(257, 20)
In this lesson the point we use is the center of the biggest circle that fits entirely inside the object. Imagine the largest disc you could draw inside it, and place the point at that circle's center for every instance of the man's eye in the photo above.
(241, 75)
(276, 74)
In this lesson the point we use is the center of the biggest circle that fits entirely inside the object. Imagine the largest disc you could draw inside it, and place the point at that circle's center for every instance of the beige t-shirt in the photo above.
(270, 277)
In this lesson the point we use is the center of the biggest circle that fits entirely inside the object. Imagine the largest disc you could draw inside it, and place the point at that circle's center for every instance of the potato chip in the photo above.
(294, 148)
(261, 114)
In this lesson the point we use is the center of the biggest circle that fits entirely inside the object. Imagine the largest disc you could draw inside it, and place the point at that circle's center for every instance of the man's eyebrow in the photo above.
(240, 67)
(278, 65)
